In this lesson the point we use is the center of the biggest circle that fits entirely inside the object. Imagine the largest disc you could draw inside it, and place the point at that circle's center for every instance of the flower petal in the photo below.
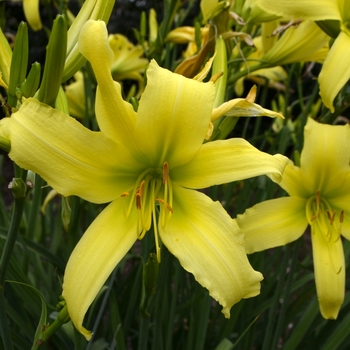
(97, 253)
(173, 116)
(241, 107)
(116, 117)
(304, 43)
(315, 10)
(325, 156)
(329, 265)
(224, 161)
(339, 200)
(292, 181)
(32, 14)
(273, 223)
(71, 158)
(335, 71)
(209, 244)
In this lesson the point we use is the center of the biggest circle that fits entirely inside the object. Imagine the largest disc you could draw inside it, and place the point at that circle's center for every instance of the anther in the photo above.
(124, 194)
(331, 216)
(160, 200)
(165, 173)
(341, 218)
(139, 193)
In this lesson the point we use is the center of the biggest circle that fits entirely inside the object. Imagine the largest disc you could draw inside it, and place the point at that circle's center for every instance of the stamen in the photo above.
(142, 234)
(330, 216)
(165, 173)
(341, 218)
(155, 230)
(139, 193)
(124, 194)
(160, 200)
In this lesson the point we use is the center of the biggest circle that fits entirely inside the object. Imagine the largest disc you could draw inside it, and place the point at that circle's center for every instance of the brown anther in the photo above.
(165, 173)
(139, 193)
(124, 194)
(160, 200)
(331, 216)
(341, 217)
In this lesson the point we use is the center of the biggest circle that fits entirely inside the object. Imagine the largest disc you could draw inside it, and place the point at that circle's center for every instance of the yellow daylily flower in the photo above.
(336, 69)
(148, 164)
(128, 62)
(75, 93)
(186, 35)
(305, 43)
(318, 196)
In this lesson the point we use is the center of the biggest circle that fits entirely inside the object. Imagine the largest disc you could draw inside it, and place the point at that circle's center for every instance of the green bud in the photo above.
(30, 178)
(54, 62)
(143, 27)
(31, 84)
(220, 66)
(19, 63)
(18, 188)
(62, 102)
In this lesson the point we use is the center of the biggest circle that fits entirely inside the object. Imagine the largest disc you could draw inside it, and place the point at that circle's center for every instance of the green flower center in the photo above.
(319, 212)
(153, 190)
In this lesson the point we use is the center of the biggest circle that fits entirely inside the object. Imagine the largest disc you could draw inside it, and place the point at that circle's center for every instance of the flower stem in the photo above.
(4, 262)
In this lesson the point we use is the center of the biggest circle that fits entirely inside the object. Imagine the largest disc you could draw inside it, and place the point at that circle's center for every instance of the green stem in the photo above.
(61, 319)
(4, 263)
(246, 72)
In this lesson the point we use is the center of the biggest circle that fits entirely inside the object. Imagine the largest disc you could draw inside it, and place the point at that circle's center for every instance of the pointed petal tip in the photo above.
(329, 311)
(87, 334)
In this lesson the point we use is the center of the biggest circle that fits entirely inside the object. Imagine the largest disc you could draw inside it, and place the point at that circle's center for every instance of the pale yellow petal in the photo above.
(71, 158)
(173, 117)
(335, 71)
(329, 265)
(224, 161)
(298, 45)
(325, 156)
(95, 256)
(292, 181)
(115, 117)
(32, 14)
(209, 244)
(315, 10)
(273, 223)
(240, 107)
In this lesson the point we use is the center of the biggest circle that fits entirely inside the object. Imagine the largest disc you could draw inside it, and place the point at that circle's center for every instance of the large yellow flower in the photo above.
(319, 197)
(336, 69)
(147, 164)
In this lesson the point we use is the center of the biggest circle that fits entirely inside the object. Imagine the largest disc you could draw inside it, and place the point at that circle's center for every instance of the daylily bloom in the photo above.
(305, 43)
(148, 164)
(128, 62)
(336, 69)
(318, 196)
